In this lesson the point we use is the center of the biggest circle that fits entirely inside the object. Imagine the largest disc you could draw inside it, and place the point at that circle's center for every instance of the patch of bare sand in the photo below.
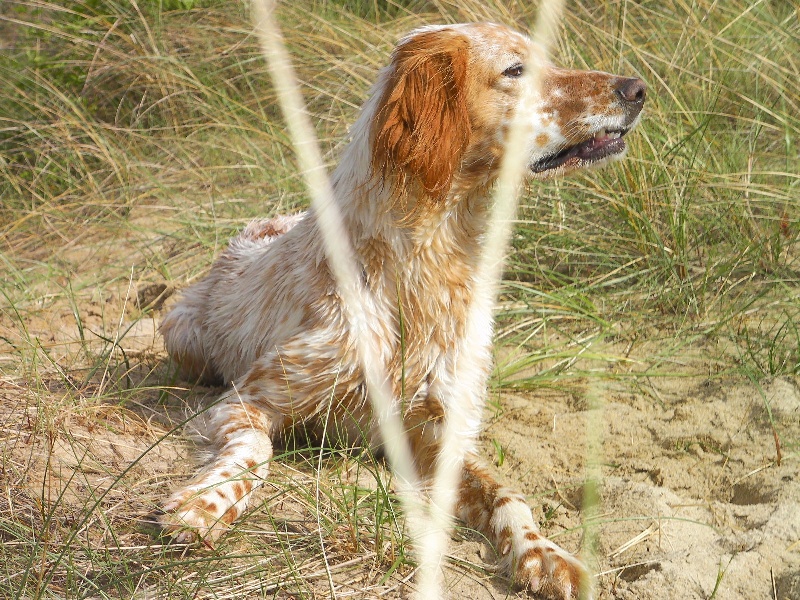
(693, 503)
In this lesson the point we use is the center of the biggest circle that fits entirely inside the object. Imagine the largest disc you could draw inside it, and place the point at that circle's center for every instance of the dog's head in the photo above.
(449, 96)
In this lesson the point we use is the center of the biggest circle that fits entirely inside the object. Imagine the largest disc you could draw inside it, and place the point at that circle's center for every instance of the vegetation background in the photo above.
(652, 305)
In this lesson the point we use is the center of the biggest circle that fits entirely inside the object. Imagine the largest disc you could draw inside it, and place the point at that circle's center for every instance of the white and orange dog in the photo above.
(414, 188)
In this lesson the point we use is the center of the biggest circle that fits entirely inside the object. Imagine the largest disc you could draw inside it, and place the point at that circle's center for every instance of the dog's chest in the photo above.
(424, 295)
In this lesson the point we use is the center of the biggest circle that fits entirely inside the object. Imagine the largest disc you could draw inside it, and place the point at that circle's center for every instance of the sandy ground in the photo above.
(699, 494)
(692, 501)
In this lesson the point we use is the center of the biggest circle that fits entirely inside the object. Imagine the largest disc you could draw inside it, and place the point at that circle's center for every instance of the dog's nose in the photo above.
(631, 90)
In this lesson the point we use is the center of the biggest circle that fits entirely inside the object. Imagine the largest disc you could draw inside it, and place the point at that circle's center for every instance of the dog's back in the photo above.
(245, 304)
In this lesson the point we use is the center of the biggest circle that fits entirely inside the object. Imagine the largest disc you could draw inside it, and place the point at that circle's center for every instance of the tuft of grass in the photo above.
(699, 225)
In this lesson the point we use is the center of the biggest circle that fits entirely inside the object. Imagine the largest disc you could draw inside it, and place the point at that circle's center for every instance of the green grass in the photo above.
(700, 225)
(136, 138)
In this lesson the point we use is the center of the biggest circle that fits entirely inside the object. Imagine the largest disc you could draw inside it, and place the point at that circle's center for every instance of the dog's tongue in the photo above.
(599, 142)
(603, 144)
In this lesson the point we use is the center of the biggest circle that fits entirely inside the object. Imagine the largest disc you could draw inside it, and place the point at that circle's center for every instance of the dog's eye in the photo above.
(515, 71)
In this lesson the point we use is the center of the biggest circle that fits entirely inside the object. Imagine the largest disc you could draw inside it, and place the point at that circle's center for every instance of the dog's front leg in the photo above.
(216, 496)
(503, 516)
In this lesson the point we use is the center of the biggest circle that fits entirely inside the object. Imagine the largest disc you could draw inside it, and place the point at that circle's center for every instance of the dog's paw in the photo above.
(192, 516)
(542, 567)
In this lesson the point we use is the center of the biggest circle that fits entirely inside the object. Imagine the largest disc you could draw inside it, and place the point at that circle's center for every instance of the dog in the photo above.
(413, 187)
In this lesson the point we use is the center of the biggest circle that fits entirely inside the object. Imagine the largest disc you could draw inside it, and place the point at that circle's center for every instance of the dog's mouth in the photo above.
(604, 143)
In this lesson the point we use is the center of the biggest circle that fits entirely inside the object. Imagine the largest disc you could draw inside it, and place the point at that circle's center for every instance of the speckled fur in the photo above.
(413, 187)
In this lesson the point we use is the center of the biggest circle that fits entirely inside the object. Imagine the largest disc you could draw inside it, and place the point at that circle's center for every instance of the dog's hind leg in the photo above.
(183, 334)
(287, 386)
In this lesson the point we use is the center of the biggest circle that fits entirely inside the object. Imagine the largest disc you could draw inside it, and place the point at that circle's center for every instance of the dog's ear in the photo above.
(422, 124)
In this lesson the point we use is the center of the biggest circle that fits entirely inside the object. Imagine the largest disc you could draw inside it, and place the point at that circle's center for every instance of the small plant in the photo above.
(500, 454)
(771, 341)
